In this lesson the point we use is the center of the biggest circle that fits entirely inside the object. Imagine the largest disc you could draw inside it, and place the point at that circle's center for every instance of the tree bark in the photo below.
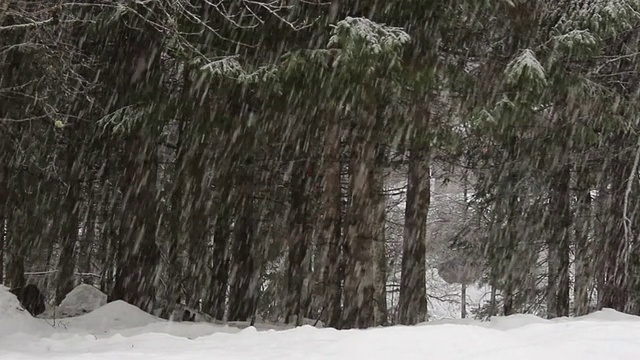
(583, 272)
(359, 278)
(177, 224)
(89, 235)
(68, 228)
(616, 291)
(198, 215)
(17, 251)
(243, 291)
(379, 241)
(299, 242)
(220, 260)
(558, 243)
(138, 258)
(4, 200)
(412, 307)
(330, 234)
(2, 244)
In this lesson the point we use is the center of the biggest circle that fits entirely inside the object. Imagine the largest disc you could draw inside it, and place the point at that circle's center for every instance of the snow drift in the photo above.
(121, 331)
(15, 319)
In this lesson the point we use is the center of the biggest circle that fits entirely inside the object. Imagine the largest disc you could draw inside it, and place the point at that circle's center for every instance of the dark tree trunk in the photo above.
(68, 228)
(17, 252)
(601, 202)
(558, 243)
(177, 233)
(139, 255)
(243, 292)
(23, 231)
(412, 307)
(89, 235)
(4, 200)
(583, 270)
(359, 278)
(220, 260)
(299, 241)
(379, 250)
(108, 240)
(66, 264)
(330, 233)
(2, 244)
(508, 308)
(198, 215)
(615, 291)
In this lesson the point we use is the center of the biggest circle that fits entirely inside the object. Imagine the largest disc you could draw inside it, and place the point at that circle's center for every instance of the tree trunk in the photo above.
(243, 291)
(508, 308)
(89, 235)
(66, 264)
(138, 258)
(600, 219)
(615, 291)
(21, 235)
(330, 234)
(4, 201)
(220, 260)
(109, 244)
(2, 244)
(359, 278)
(493, 307)
(299, 242)
(379, 241)
(198, 215)
(463, 302)
(17, 252)
(583, 272)
(412, 306)
(177, 222)
(68, 229)
(558, 243)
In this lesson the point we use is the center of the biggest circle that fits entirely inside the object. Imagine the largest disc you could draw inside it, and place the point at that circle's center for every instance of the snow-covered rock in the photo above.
(82, 299)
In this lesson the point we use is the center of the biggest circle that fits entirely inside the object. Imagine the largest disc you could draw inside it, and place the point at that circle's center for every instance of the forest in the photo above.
(241, 156)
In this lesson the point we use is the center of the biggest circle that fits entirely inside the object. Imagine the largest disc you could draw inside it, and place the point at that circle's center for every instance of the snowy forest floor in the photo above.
(121, 331)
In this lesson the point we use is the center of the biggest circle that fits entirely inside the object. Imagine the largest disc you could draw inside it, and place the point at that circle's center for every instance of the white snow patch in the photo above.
(122, 331)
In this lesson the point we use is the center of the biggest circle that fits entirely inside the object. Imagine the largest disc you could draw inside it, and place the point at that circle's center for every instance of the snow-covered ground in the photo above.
(121, 331)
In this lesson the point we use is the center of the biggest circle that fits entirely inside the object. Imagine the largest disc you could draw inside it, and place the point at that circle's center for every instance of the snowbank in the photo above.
(122, 331)
(608, 315)
(549, 340)
(14, 319)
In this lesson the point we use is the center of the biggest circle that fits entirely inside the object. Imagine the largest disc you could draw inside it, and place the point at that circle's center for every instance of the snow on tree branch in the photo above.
(526, 66)
(360, 36)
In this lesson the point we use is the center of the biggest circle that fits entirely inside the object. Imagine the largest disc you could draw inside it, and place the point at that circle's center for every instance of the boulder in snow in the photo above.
(82, 299)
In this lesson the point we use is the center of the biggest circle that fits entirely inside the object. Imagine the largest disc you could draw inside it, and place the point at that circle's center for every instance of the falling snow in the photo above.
(309, 175)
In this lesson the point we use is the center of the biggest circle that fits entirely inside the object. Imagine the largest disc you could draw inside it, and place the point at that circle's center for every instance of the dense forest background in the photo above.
(276, 158)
